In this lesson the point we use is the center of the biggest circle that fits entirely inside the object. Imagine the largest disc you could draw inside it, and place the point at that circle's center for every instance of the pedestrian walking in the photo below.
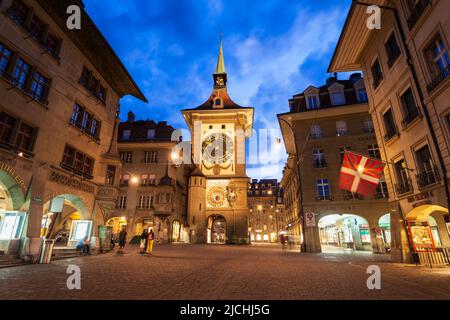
(144, 241)
(283, 242)
(112, 242)
(151, 240)
(122, 239)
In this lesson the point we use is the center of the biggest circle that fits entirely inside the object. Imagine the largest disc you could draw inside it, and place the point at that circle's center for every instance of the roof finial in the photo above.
(220, 68)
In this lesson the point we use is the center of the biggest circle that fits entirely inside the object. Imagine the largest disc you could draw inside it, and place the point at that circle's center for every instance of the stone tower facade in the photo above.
(217, 192)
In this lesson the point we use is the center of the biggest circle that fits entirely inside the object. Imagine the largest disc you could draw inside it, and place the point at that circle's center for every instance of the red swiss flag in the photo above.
(360, 174)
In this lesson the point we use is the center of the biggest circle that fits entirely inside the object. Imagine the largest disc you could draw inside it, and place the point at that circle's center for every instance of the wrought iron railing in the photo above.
(428, 177)
(404, 187)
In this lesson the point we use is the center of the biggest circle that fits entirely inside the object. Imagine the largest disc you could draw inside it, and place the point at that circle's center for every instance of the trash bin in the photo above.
(46, 252)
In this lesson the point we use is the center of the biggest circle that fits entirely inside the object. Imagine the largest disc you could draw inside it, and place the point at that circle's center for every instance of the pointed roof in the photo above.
(220, 68)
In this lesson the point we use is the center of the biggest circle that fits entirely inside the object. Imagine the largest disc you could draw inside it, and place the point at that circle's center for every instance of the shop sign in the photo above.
(10, 170)
(310, 219)
(71, 182)
(421, 196)
(421, 203)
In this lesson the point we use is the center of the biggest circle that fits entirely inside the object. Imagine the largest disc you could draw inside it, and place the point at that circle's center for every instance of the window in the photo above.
(382, 190)
(323, 192)
(20, 74)
(37, 28)
(337, 98)
(7, 124)
(377, 74)
(362, 95)
(122, 203)
(403, 182)
(316, 132)
(92, 84)
(368, 126)
(126, 156)
(124, 180)
(164, 197)
(374, 151)
(19, 12)
(5, 58)
(410, 109)
(85, 121)
(151, 134)
(39, 87)
(341, 128)
(145, 202)
(148, 179)
(126, 134)
(16, 134)
(110, 175)
(150, 156)
(392, 49)
(389, 124)
(313, 102)
(438, 61)
(77, 162)
(24, 139)
(427, 173)
(52, 44)
(342, 151)
(319, 158)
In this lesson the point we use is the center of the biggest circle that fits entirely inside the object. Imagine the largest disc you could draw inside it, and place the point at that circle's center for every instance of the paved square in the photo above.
(186, 272)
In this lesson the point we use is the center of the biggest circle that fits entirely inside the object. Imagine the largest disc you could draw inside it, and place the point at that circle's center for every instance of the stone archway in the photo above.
(216, 229)
(341, 232)
(12, 192)
(427, 228)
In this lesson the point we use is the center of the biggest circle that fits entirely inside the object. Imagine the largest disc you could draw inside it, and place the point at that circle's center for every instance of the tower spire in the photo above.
(220, 68)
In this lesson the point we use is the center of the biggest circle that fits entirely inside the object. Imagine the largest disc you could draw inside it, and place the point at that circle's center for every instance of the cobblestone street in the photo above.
(224, 272)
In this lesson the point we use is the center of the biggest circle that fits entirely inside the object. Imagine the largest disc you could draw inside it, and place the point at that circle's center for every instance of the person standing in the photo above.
(122, 239)
(144, 241)
(151, 240)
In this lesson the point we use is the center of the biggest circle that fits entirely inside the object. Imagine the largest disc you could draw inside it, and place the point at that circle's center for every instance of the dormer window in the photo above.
(126, 134)
(312, 102)
(337, 98)
(151, 134)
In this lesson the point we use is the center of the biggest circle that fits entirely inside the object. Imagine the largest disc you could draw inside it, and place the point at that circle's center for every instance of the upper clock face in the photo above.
(220, 81)
(217, 148)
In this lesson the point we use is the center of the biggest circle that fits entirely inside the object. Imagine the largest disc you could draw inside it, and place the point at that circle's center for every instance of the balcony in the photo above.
(352, 196)
(320, 164)
(441, 77)
(409, 118)
(324, 198)
(75, 171)
(427, 178)
(417, 12)
(403, 187)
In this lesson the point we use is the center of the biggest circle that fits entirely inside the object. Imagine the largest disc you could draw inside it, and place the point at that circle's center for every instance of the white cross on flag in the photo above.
(360, 174)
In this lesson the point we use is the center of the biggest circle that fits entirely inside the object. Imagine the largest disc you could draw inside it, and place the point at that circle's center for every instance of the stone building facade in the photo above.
(59, 103)
(217, 188)
(322, 124)
(152, 188)
(266, 211)
(406, 65)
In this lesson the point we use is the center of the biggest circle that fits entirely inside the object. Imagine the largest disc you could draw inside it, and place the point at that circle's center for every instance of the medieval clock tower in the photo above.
(217, 192)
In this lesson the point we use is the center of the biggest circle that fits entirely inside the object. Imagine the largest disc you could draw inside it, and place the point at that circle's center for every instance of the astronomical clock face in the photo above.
(217, 148)
(217, 196)
(217, 193)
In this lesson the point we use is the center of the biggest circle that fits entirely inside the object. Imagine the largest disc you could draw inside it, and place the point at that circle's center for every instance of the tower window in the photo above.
(218, 102)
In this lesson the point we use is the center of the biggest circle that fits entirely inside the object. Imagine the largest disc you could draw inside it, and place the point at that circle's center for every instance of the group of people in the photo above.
(146, 244)
(147, 241)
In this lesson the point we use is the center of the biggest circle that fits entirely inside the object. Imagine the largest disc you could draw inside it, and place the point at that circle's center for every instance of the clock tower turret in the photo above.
(219, 129)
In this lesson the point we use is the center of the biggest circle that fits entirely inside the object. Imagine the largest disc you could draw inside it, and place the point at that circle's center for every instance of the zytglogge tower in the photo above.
(217, 191)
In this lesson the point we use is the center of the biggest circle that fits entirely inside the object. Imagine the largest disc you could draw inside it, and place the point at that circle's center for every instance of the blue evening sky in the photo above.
(273, 50)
